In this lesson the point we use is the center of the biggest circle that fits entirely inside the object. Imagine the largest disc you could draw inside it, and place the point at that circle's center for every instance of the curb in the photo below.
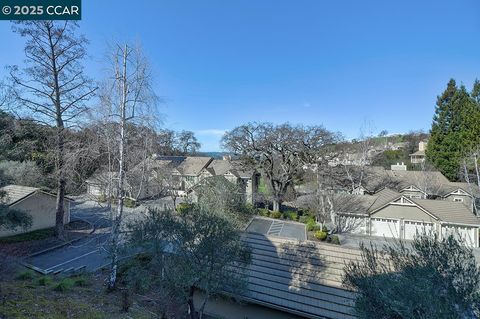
(62, 244)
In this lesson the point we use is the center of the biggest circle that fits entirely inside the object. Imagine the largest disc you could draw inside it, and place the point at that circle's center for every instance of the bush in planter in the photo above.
(291, 215)
(263, 212)
(320, 235)
(311, 224)
(276, 215)
(306, 219)
(334, 239)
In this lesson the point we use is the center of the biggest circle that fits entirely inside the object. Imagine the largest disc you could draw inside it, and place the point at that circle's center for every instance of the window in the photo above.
(458, 199)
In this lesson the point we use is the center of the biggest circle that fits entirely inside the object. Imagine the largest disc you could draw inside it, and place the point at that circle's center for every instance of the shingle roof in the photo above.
(418, 153)
(193, 165)
(14, 193)
(304, 278)
(383, 197)
(447, 211)
(432, 180)
(453, 186)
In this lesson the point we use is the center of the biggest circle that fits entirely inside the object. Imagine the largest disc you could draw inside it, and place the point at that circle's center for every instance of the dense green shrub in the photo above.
(276, 214)
(334, 239)
(325, 229)
(291, 215)
(311, 225)
(64, 285)
(306, 219)
(184, 208)
(264, 212)
(130, 202)
(81, 281)
(25, 275)
(44, 281)
(320, 235)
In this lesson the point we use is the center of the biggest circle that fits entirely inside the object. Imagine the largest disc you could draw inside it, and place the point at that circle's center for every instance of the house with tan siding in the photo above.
(40, 205)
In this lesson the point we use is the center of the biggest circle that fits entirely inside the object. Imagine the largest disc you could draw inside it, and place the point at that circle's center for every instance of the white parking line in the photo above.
(73, 259)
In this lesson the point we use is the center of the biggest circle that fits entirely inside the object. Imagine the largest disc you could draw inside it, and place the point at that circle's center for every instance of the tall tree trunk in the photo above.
(117, 220)
(276, 205)
(60, 147)
(191, 304)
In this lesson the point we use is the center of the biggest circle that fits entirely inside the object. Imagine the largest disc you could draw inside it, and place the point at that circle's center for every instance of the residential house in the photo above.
(392, 214)
(159, 175)
(290, 279)
(40, 205)
(419, 156)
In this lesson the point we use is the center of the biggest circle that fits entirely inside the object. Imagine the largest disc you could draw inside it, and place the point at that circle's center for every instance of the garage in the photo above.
(412, 228)
(466, 234)
(384, 227)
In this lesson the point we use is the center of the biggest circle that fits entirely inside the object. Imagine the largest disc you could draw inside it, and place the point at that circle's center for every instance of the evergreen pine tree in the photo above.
(455, 128)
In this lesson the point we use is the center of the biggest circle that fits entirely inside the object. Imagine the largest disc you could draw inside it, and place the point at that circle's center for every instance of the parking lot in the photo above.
(278, 228)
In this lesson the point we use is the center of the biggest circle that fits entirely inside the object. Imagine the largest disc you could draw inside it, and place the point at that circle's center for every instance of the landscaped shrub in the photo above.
(81, 281)
(313, 226)
(334, 239)
(325, 229)
(184, 208)
(64, 285)
(263, 212)
(130, 202)
(320, 235)
(291, 215)
(102, 198)
(306, 219)
(44, 281)
(25, 275)
(276, 214)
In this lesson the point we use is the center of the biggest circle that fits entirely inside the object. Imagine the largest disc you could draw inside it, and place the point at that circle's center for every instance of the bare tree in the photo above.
(127, 94)
(356, 172)
(53, 87)
(277, 151)
(187, 143)
(471, 174)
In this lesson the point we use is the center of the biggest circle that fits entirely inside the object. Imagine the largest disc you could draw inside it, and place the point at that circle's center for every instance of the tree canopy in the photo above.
(455, 128)
(432, 279)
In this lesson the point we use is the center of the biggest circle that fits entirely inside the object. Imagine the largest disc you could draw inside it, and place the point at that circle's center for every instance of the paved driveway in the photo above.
(91, 252)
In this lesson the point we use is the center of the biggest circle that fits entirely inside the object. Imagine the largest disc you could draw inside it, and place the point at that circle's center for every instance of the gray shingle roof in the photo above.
(447, 211)
(304, 278)
(453, 186)
(193, 165)
(383, 197)
(14, 193)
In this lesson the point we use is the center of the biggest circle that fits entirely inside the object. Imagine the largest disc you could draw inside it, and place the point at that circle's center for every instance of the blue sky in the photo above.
(218, 64)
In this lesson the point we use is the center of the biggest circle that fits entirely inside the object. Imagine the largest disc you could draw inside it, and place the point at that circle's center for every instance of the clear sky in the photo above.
(218, 64)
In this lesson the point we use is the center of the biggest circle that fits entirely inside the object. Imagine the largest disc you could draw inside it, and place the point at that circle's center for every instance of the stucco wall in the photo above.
(403, 211)
(42, 209)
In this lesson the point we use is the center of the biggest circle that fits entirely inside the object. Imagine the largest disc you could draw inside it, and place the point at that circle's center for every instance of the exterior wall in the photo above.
(413, 193)
(42, 209)
(403, 211)
(226, 308)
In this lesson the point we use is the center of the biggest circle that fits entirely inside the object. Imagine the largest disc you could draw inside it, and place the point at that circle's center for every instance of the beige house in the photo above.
(395, 215)
(39, 204)
(174, 173)
(419, 156)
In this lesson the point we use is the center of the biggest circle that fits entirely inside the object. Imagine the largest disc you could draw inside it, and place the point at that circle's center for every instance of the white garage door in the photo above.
(465, 233)
(385, 227)
(355, 225)
(411, 229)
